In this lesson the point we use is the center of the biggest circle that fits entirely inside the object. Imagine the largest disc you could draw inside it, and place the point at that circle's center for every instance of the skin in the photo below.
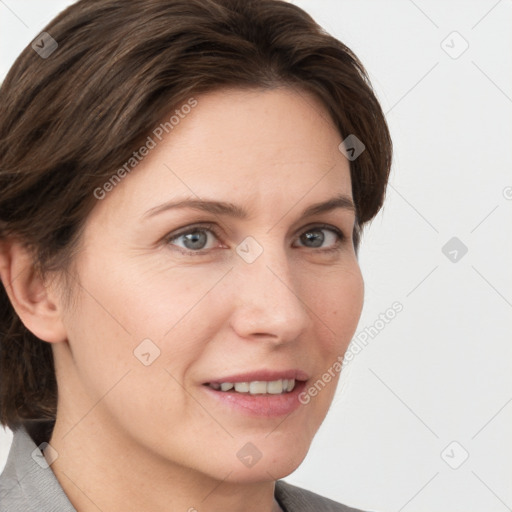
(133, 437)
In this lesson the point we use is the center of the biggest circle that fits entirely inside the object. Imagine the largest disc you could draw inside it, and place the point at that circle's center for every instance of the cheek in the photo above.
(337, 305)
(108, 370)
(122, 305)
(143, 299)
(338, 302)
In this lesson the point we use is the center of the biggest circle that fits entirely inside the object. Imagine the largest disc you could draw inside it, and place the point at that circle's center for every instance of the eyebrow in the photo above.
(226, 208)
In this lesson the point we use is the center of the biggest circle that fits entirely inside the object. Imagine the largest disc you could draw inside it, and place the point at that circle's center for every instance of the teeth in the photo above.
(257, 387)
(242, 387)
(275, 387)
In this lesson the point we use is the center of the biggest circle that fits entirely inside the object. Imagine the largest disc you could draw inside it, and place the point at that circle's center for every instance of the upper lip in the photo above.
(262, 375)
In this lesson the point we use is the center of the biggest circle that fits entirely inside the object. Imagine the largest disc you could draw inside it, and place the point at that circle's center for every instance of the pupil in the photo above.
(193, 238)
(316, 236)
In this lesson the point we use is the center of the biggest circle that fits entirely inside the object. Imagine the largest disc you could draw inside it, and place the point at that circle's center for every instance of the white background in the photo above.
(441, 370)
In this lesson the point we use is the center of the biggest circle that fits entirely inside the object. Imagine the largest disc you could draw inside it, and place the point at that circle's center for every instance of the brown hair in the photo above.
(68, 120)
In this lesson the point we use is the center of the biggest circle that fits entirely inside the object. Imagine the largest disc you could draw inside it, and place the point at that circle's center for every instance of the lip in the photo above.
(259, 406)
(266, 375)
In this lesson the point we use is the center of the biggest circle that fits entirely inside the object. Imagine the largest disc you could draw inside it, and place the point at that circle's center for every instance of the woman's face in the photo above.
(174, 301)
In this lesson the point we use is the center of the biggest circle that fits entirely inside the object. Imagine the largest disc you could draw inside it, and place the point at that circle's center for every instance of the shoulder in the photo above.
(296, 499)
(27, 482)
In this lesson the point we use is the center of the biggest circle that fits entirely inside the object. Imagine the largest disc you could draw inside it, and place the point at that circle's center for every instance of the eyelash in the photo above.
(211, 227)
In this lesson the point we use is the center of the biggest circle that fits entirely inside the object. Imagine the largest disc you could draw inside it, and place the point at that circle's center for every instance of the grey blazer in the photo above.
(28, 486)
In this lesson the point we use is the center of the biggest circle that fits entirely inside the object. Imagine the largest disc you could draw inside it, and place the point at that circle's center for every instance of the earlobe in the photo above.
(32, 300)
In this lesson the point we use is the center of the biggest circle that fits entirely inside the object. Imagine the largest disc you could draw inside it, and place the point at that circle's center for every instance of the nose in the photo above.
(266, 300)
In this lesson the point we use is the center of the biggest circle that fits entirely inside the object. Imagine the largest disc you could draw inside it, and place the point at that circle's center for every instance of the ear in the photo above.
(34, 302)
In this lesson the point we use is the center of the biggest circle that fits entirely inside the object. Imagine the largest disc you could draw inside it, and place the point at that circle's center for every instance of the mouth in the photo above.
(256, 387)
(262, 393)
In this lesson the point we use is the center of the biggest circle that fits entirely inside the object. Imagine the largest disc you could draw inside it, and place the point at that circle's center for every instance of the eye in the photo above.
(314, 237)
(195, 238)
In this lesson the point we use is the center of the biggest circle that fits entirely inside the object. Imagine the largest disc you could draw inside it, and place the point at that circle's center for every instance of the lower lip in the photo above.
(267, 405)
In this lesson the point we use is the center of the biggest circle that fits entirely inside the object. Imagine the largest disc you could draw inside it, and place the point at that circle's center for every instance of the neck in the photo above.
(101, 469)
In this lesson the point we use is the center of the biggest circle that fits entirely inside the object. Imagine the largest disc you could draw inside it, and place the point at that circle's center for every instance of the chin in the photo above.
(268, 471)
(272, 462)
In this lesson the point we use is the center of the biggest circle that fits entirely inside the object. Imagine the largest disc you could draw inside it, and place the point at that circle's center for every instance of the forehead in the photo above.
(261, 147)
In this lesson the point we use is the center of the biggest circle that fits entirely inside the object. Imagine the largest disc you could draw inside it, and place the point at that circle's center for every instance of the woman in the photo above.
(183, 186)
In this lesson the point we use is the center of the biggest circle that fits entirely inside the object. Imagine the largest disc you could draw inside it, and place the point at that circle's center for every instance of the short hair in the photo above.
(67, 121)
